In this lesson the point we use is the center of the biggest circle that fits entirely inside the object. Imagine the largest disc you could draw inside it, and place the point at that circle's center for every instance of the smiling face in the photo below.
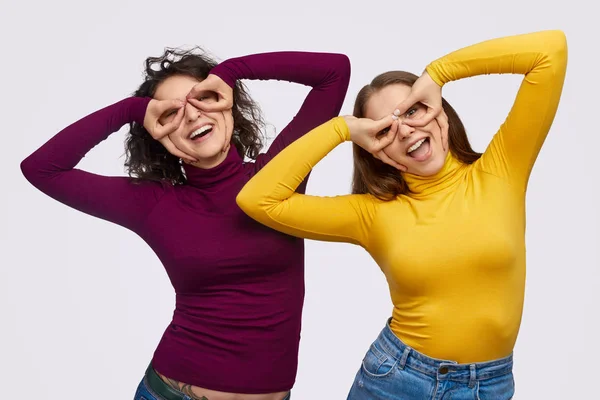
(201, 134)
(419, 149)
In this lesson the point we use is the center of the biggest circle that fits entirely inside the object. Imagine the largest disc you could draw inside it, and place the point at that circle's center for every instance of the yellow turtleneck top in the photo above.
(453, 249)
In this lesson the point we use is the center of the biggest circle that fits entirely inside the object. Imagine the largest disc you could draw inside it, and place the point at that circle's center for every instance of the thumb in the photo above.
(383, 123)
(405, 105)
(389, 137)
(429, 116)
(203, 106)
(167, 105)
(198, 89)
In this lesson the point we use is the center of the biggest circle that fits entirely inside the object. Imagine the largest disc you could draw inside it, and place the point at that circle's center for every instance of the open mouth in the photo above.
(420, 150)
(200, 133)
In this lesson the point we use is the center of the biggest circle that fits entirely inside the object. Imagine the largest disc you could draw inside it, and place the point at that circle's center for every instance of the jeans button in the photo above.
(443, 370)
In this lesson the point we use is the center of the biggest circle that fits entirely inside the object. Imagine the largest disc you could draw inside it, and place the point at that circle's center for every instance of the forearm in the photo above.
(270, 197)
(51, 169)
(519, 54)
(542, 58)
(279, 179)
(66, 149)
(329, 76)
(306, 68)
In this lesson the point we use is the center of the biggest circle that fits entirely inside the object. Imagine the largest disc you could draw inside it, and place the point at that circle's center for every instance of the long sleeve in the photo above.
(270, 197)
(328, 75)
(51, 168)
(542, 58)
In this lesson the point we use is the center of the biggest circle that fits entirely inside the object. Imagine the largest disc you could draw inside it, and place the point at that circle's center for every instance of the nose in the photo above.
(405, 130)
(192, 113)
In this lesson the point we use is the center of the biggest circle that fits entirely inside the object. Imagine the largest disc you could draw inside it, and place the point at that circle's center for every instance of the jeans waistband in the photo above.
(390, 344)
(157, 385)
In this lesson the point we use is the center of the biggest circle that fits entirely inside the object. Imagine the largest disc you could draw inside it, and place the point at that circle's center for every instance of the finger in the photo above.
(388, 138)
(174, 125)
(220, 105)
(197, 90)
(383, 123)
(229, 132)
(444, 126)
(405, 105)
(387, 160)
(226, 148)
(167, 129)
(166, 142)
(167, 105)
(429, 116)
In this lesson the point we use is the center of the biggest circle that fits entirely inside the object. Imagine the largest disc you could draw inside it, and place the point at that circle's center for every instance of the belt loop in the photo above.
(404, 357)
(473, 377)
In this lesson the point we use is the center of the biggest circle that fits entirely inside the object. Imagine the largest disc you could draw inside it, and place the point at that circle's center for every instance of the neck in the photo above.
(214, 172)
(445, 178)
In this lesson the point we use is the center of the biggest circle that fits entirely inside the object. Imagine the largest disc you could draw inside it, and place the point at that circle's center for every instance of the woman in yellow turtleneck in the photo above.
(446, 225)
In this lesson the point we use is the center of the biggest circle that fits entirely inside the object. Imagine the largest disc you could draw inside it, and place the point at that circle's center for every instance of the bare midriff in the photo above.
(200, 393)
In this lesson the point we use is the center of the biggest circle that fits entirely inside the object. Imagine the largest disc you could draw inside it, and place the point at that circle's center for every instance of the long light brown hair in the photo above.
(382, 180)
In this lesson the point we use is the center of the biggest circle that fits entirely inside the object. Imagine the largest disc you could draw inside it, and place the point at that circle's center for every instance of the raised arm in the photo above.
(51, 168)
(328, 75)
(542, 58)
(270, 197)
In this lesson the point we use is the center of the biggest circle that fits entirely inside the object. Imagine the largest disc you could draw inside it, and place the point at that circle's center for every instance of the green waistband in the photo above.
(159, 386)
(165, 391)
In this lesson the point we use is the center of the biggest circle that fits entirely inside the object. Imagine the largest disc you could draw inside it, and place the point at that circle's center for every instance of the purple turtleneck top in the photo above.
(239, 285)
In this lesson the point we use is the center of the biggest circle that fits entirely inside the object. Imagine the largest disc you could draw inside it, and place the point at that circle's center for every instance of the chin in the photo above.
(208, 154)
(430, 169)
(209, 148)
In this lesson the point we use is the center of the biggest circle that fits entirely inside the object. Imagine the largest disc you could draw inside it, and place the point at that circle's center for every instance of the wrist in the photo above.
(137, 108)
(222, 72)
(430, 73)
(344, 127)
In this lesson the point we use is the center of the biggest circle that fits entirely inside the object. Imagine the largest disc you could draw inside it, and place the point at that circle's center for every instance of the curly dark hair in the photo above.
(146, 158)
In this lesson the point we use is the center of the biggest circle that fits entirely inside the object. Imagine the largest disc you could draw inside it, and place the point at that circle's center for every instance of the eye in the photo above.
(209, 97)
(383, 132)
(411, 112)
(169, 114)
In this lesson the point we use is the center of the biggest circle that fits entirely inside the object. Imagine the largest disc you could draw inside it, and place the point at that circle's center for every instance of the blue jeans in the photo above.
(391, 370)
(145, 391)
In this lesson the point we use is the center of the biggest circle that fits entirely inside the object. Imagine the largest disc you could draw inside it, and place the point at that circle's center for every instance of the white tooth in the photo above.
(200, 131)
(415, 146)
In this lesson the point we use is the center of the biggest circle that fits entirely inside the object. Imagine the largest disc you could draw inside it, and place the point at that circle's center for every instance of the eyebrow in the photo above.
(166, 98)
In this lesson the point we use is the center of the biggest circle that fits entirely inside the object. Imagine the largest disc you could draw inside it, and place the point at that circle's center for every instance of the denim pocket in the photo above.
(378, 364)
(143, 392)
(498, 388)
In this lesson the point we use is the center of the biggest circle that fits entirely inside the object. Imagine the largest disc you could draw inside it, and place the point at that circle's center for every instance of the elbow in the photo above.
(252, 203)
(246, 201)
(339, 68)
(30, 170)
(37, 172)
(560, 34)
(344, 64)
(343, 67)
(558, 42)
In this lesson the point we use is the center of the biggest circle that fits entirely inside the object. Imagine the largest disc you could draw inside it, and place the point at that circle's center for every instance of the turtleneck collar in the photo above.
(451, 172)
(204, 178)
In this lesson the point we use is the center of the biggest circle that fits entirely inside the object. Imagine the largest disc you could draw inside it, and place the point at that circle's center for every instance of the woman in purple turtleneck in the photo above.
(239, 285)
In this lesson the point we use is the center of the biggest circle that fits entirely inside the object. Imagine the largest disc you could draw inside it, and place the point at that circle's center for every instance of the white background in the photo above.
(83, 302)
